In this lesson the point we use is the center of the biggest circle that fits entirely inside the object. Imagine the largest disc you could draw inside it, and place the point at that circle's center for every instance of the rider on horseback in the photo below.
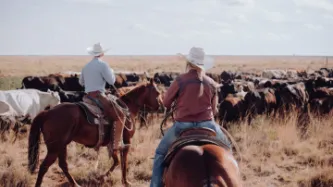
(94, 76)
(196, 104)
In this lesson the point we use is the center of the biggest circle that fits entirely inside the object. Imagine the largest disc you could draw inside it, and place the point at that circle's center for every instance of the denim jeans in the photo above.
(170, 136)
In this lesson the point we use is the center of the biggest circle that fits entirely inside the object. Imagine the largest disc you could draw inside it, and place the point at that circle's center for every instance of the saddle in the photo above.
(193, 136)
(93, 113)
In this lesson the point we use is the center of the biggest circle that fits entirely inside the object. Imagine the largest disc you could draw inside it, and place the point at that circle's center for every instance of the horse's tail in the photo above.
(34, 140)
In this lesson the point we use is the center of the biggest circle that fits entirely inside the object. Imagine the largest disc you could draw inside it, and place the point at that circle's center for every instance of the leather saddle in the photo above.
(93, 113)
(193, 136)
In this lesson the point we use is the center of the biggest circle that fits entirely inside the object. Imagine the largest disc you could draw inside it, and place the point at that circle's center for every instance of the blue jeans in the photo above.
(170, 136)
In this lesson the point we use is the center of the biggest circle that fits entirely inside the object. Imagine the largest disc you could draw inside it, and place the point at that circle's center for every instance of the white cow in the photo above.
(27, 102)
(6, 109)
(272, 73)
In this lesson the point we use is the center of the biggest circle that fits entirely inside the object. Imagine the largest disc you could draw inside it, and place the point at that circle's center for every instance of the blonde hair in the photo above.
(200, 74)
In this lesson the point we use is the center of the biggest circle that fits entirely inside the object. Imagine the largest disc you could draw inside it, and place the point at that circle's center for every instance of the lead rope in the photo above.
(125, 111)
(115, 104)
(167, 115)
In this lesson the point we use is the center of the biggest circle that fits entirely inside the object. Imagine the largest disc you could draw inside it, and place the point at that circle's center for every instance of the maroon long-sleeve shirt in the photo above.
(189, 106)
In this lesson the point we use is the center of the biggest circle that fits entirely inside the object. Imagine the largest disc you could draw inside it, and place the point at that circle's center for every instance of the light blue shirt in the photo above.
(95, 74)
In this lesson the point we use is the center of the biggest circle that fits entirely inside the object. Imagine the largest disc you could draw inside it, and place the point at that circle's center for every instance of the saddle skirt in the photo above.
(193, 136)
(93, 113)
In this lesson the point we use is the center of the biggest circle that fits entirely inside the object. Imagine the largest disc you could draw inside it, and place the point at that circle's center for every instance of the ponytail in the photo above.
(200, 74)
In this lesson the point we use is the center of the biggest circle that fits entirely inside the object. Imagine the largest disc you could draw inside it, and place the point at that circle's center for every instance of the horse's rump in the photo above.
(188, 158)
(200, 159)
(206, 165)
(193, 136)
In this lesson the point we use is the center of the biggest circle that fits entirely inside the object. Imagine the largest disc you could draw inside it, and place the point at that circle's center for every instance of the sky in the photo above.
(167, 27)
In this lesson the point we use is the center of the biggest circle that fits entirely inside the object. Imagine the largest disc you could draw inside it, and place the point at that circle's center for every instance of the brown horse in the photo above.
(201, 163)
(66, 123)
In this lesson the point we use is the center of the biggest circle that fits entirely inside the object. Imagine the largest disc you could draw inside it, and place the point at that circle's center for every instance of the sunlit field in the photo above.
(272, 153)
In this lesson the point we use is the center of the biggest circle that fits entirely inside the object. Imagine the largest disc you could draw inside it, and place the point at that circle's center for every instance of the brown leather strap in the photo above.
(94, 93)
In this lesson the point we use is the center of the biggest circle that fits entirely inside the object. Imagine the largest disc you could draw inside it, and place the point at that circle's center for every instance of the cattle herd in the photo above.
(242, 95)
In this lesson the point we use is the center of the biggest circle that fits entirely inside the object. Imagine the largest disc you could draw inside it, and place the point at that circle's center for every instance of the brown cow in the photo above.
(326, 105)
(294, 98)
(291, 96)
(40, 83)
(260, 102)
(231, 109)
(216, 77)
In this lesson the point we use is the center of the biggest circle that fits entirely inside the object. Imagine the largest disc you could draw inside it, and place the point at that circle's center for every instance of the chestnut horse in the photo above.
(66, 123)
(198, 165)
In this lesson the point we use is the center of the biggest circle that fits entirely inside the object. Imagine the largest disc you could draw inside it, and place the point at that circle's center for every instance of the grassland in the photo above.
(272, 152)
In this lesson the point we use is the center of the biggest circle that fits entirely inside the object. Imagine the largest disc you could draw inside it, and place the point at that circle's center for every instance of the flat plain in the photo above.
(272, 152)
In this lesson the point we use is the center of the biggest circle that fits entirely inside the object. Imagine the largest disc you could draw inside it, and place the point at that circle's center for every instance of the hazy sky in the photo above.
(226, 27)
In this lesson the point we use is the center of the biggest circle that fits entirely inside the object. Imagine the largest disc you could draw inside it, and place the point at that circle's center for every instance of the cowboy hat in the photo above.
(198, 58)
(96, 50)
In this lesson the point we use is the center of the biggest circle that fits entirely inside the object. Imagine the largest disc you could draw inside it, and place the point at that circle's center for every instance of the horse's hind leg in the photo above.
(123, 157)
(124, 165)
(63, 165)
(115, 163)
(48, 161)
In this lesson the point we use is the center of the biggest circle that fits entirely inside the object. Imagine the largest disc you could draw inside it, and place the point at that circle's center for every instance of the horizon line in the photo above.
(294, 55)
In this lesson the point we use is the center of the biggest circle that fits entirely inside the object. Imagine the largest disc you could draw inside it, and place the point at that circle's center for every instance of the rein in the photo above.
(167, 115)
(125, 108)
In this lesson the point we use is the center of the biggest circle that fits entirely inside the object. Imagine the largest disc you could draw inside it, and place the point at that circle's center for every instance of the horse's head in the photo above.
(144, 95)
(151, 97)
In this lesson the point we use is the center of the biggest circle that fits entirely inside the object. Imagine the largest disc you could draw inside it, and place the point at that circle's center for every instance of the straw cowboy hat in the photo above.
(96, 50)
(198, 58)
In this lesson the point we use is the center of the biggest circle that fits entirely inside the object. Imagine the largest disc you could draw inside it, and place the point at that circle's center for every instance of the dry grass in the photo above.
(12, 163)
(273, 154)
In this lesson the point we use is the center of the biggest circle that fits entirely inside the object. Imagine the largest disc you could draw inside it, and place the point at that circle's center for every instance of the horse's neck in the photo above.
(130, 99)
(132, 107)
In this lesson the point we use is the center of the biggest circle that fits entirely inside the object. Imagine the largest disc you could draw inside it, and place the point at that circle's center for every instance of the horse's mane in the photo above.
(134, 92)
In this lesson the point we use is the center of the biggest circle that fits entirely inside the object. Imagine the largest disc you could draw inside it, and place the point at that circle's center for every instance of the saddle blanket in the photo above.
(96, 111)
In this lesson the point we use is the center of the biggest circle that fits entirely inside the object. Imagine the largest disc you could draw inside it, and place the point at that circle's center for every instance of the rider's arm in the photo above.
(214, 104)
(215, 99)
(108, 74)
(170, 95)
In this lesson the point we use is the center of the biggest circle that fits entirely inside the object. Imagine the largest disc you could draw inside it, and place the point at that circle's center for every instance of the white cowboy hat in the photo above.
(96, 50)
(198, 58)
